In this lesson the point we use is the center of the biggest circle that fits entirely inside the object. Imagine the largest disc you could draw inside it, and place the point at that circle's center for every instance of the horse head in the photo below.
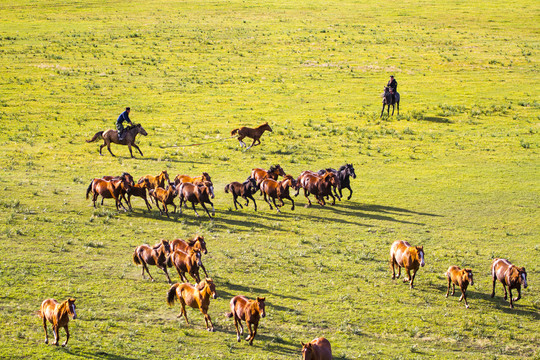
(307, 351)
(265, 126)
(141, 130)
(206, 176)
(197, 255)
(350, 171)
(208, 188)
(164, 174)
(71, 308)
(261, 306)
(128, 178)
(212, 286)
(202, 244)
(420, 251)
(522, 276)
(469, 274)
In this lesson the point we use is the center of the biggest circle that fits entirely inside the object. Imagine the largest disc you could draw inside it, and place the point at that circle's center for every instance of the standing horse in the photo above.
(248, 310)
(254, 134)
(402, 254)
(317, 349)
(58, 315)
(111, 136)
(197, 297)
(343, 174)
(272, 173)
(157, 255)
(462, 278)
(389, 100)
(277, 190)
(509, 275)
(245, 190)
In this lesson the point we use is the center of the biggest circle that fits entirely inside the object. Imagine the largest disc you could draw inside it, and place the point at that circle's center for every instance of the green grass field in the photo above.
(457, 172)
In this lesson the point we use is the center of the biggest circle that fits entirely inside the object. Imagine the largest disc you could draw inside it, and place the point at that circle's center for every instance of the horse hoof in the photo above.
(64, 345)
(238, 338)
(466, 306)
(46, 341)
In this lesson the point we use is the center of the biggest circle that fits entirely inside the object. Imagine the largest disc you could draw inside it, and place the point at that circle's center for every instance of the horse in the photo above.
(277, 190)
(320, 186)
(58, 315)
(165, 196)
(111, 136)
(197, 297)
(272, 173)
(404, 255)
(462, 278)
(254, 134)
(127, 177)
(179, 179)
(248, 310)
(197, 244)
(343, 174)
(186, 262)
(113, 189)
(509, 275)
(196, 194)
(157, 255)
(156, 181)
(317, 349)
(139, 190)
(388, 100)
(246, 190)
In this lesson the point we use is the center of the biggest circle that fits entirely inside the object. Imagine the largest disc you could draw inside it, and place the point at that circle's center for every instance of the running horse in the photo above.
(260, 174)
(388, 100)
(248, 310)
(58, 315)
(111, 136)
(254, 134)
(402, 254)
(273, 189)
(509, 275)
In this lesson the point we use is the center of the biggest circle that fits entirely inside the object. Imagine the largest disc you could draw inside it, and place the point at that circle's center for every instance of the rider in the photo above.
(123, 117)
(392, 85)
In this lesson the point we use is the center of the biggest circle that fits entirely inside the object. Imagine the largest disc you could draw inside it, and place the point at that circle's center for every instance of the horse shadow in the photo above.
(437, 119)
(237, 288)
(101, 355)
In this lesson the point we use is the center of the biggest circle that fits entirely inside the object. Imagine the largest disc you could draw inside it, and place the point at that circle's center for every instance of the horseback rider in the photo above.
(123, 117)
(392, 85)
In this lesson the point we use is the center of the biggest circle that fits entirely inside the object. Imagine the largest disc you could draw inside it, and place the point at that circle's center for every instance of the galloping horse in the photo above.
(157, 255)
(139, 190)
(254, 134)
(186, 262)
(509, 275)
(402, 254)
(248, 310)
(343, 175)
(320, 186)
(156, 181)
(317, 349)
(165, 196)
(199, 194)
(272, 173)
(277, 190)
(113, 189)
(179, 179)
(58, 315)
(245, 190)
(111, 136)
(388, 100)
(462, 278)
(197, 297)
(197, 244)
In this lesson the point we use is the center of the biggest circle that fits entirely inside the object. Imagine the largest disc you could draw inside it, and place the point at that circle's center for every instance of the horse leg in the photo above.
(511, 300)
(494, 282)
(397, 107)
(213, 209)
(448, 290)
(252, 144)
(268, 201)
(505, 292)
(130, 152)
(292, 208)
(277, 207)
(350, 193)
(454, 289)
(164, 268)
(236, 202)
(306, 194)
(109, 148)
(393, 107)
(393, 268)
(204, 269)
(183, 303)
(333, 198)
(254, 203)
(238, 333)
(136, 147)
(145, 267)
(56, 336)
(67, 335)
(464, 297)
(382, 111)
(413, 276)
(147, 204)
(519, 294)
(408, 278)
(207, 319)
(165, 208)
(249, 337)
(45, 328)
(196, 213)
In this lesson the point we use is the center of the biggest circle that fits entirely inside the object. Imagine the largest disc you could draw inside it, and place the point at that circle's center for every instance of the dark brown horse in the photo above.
(58, 315)
(196, 194)
(402, 254)
(197, 244)
(157, 255)
(186, 262)
(272, 173)
(388, 100)
(254, 134)
(277, 190)
(113, 189)
(197, 297)
(343, 174)
(111, 136)
(462, 278)
(245, 190)
(249, 311)
(139, 190)
(509, 275)
(317, 349)
(156, 181)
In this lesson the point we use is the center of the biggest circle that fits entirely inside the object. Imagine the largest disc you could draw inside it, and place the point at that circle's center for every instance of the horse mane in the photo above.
(63, 309)
(343, 167)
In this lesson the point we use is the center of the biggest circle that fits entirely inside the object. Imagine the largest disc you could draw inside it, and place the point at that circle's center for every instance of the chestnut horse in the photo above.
(186, 262)
(254, 134)
(196, 194)
(111, 136)
(113, 189)
(128, 178)
(179, 179)
(272, 173)
(248, 310)
(58, 315)
(245, 190)
(317, 349)
(404, 255)
(156, 181)
(320, 186)
(165, 196)
(462, 278)
(197, 297)
(197, 244)
(157, 255)
(343, 174)
(509, 275)
(139, 190)
(277, 190)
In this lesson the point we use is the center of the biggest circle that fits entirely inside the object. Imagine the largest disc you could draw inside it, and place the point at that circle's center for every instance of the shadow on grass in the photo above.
(100, 355)
(437, 119)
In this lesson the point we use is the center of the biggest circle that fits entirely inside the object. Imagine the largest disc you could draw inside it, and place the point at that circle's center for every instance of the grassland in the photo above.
(457, 171)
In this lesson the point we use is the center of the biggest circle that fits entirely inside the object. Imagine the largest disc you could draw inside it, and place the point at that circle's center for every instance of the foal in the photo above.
(58, 315)
(459, 277)
(509, 275)
(156, 181)
(166, 197)
(254, 134)
(248, 310)
(402, 254)
(197, 297)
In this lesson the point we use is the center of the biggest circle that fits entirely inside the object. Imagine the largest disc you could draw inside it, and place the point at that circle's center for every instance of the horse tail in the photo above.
(235, 131)
(227, 188)
(136, 259)
(89, 188)
(99, 135)
(171, 294)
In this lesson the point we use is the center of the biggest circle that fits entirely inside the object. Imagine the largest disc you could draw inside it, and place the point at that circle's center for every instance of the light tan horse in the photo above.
(317, 349)
(462, 278)
(111, 136)
(402, 254)
(248, 310)
(58, 315)
(197, 297)
(509, 275)
(254, 134)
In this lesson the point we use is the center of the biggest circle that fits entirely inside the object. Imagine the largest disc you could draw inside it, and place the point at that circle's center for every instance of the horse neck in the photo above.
(63, 310)
(206, 292)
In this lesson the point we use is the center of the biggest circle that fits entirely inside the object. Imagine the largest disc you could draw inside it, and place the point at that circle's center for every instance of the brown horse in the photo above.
(317, 349)
(186, 262)
(254, 134)
(197, 297)
(509, 275)
(320, 186)
(111, 136)
(196, 194)
(179, 179)
(156, 181)
(128, 178)
(245, 190)
(277, 190)
(197, 244)
(165, 196)
(459, 277)
(113, 189)
(248, 310)
(139, 190)
(260, 174)
(157, 255)
(58, 315)
(402, 254)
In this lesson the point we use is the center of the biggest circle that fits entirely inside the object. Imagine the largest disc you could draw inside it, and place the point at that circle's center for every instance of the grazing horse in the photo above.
(272, 173)
(197, 297)
(254, 134)
(317, 349)
(113, 189)
(462, 278)
(156, 181)
(165, 196)
(58, 315)
(111, 136)
(320, 186)
(139, 190)
(277, 190)
(509, 275)
(186, 262)
(179, 179)
(388, 100)
(197, 244)
(157, 255)
(343, 174)
(196, 194)
(248, 310)
(402, 254)
(245, 190)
